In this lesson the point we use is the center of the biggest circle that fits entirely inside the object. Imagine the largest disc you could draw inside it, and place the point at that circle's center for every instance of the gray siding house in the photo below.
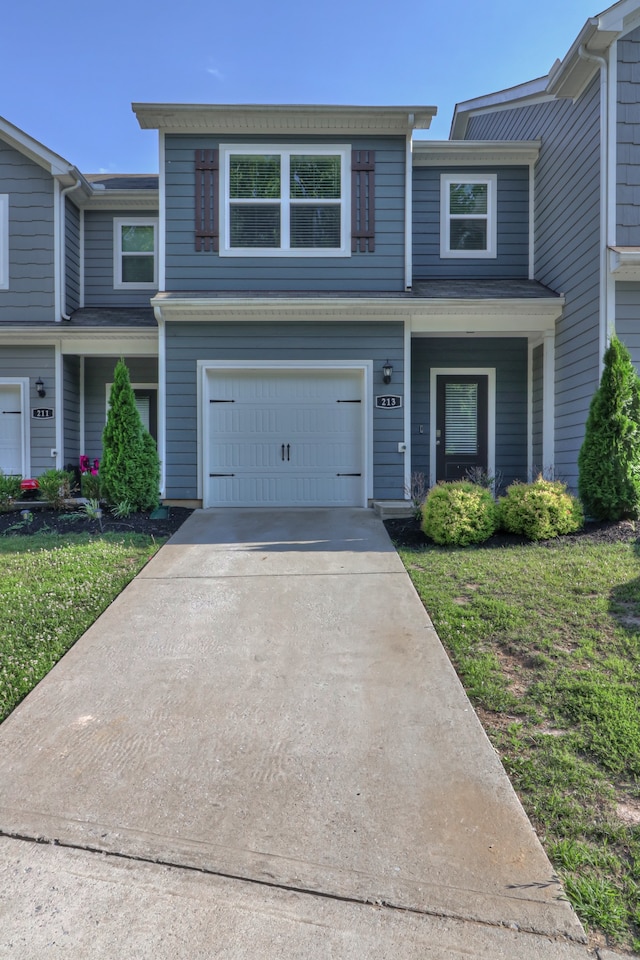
(315, 304)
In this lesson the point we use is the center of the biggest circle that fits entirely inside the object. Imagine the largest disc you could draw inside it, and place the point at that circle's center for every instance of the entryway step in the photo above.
(393, 509)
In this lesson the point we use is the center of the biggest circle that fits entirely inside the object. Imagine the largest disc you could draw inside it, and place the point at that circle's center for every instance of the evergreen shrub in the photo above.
(55, 487)
(129, 469)
(540, 510)
(9, 489)
(459, 513)
(609, 459)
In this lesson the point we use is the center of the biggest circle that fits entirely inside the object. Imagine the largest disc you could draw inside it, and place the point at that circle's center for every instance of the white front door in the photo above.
(11, 429)
(284, 438)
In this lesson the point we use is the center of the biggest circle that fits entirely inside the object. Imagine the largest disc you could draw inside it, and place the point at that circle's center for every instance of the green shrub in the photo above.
(129, 468)
(459, 513)
(540, 510)
(9, 489)
(609, 459)
(55, 487)
(90, 486)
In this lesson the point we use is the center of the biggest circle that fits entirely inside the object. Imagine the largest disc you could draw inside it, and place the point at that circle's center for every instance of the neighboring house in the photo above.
(315, 305)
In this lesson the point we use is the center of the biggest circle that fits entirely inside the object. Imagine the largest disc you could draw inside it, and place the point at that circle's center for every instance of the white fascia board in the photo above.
(86, 341)
(229, 119)
(437, 153)
(624, 263)
(122, 200)
(523, 93)
(513, 314)
(619, 17)
(33, 149)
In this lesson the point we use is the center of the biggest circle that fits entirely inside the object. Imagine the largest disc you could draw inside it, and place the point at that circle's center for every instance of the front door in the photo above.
(11, 428)
(461, 425)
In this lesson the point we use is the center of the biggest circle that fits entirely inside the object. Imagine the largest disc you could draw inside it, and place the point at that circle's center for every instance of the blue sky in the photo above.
(69, 72)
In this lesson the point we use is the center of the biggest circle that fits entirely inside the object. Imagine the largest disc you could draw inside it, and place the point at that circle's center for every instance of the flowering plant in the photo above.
(87, 467)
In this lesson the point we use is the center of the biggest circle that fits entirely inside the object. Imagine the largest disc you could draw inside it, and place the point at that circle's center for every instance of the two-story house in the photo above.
(316, 305)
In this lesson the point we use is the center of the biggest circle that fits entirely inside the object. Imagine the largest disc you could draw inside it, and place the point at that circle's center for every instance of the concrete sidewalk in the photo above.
(265, 740)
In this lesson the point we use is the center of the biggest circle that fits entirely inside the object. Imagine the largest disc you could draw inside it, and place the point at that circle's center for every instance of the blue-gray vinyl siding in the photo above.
(567, 233)
(72, 257)
(99, 266)
(34, 363)
(71, 394)
(628, 135)
(98, 372)
(628, 318)
(509, 357)
(31, 239)
(188, 270)
(537, 409)
(512, 258)
(187, 343)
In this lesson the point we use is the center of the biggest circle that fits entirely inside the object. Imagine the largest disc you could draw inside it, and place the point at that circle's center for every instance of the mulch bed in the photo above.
(407, 533)
(72, 520)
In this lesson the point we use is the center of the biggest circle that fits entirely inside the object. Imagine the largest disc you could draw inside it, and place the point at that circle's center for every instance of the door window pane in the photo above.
(461, 418)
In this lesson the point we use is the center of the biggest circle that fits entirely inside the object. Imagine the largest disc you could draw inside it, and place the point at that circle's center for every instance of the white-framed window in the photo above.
(135, 259)
(4, 241)
(468, 207)
(291, 201)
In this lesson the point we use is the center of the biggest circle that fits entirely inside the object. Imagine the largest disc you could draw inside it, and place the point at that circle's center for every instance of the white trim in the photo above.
(490, 373)
(364, 367)
(407, 410)
(548, 402)
(118, 223)
(82, 439)
(530, 349)
(408, 216)
(4, 241)
(162, 402)
(81, 256)
(491, 181)
(161, 239)
(285, 151)
(532, 221)
(24, 384)
(59, 406)
(475, 153)
(57, 259)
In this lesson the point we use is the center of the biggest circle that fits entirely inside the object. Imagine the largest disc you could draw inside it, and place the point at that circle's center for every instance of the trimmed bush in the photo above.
(9, 489)
(90, 486)
(459, 513)
(129, 468)
(55, 487)
(609, 459)
(540, 510)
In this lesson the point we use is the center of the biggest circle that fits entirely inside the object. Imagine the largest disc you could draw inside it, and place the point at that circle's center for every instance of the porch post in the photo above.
(548, 403)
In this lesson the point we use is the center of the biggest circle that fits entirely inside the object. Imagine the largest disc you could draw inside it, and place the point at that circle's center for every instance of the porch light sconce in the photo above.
(387, 370)
(40, 390)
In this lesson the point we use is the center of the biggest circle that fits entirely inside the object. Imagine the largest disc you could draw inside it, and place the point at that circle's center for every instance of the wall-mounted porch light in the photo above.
(40, 390)
(387, 371)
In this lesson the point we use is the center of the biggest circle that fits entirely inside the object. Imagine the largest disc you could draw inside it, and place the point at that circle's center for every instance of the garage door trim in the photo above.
(363, 367)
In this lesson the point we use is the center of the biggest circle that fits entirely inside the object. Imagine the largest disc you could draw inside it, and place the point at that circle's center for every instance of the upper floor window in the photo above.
(285, 201)
(135, 253)
(468, 216)
(4, 241)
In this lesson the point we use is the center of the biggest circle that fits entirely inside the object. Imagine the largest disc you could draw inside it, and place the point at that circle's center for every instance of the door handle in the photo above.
(282, 451)
(288, 451)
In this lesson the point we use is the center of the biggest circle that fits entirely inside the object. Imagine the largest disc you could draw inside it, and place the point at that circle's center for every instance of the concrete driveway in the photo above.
(260, 749)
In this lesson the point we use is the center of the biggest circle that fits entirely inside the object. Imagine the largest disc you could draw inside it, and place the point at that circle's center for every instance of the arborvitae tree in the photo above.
(609, 460)
(129, 468)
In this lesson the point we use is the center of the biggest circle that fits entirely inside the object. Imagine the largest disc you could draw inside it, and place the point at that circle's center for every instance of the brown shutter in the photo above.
(207, 172)
(363, 211)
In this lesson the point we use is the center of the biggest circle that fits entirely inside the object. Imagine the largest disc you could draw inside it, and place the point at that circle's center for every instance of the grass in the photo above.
(546, 640)
(52, 588)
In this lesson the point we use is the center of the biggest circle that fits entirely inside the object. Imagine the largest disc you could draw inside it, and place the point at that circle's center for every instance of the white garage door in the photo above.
(11, 428)
(285, 438)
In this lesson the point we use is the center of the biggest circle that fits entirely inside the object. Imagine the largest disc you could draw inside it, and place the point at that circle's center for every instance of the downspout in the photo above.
(63, 278)
(604, 196)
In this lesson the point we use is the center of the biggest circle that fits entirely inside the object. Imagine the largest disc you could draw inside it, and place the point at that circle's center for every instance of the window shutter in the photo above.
(363, 213)
(207, 172)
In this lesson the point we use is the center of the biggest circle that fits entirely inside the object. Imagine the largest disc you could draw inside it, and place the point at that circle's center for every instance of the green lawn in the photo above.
(52, 588)
(546, 640)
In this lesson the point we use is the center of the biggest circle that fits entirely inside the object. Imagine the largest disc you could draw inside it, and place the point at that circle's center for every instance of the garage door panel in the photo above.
(287, 437)
(11, 428)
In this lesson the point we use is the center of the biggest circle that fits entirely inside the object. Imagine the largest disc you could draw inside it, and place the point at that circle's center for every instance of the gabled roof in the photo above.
(54, 164)
(229, 119)
(568, 77)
